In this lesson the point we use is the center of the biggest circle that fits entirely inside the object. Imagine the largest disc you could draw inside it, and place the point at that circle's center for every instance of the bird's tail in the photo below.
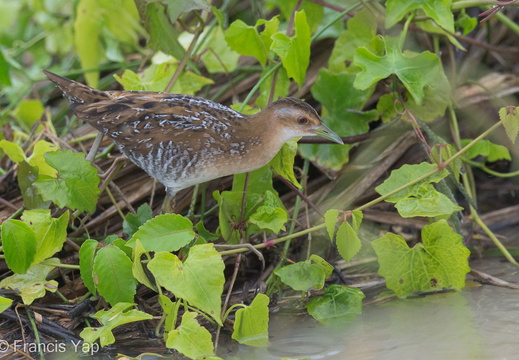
(77, 93)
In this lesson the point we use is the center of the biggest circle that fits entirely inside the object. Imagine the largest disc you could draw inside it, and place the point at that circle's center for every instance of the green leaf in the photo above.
(342, 113)
(440, 262)
(157, 77)
(405, 175)
(466, 22)
(37, 159)
(251, 325)
(330, 219)
(132, 222)
(427, 202)
(113, 274)
(122, 21)
(314, 11)
(86, 264)
(486, 148)
(50, 233)
(436, 100)
(245, 40)
(421, 199)
(87, 27)
(270, 28)
(510, 118)
(295, 51)
(415, 71)
(438, 10)
(179, 7)
(118, 315)
(163, 35)
(27, 176)
(4, 71)
(348, 242)
(137, 268)
(76, 183)
(12, 150)
(5, 304)
(204, 233)
(190, 280)
(191, 339)
(170, 310)
(270, 218)
(167, 232)
(19, 245)
(361, 32)
(28, 112)
(259, 190)
(305, 275)
(283, 162)
(217, 55)
(33, 284)
(338, 305)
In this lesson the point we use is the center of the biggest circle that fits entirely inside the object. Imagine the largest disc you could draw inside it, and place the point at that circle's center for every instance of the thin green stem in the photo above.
(489, 171)
(274, 242)
(458, 5)
(508, 22)
(36, 333)
(490, 234)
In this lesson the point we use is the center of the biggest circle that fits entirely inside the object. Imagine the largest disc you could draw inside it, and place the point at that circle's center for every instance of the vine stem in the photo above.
(492, 236)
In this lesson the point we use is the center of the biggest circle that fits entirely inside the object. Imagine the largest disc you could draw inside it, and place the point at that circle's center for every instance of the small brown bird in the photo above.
(183, 140)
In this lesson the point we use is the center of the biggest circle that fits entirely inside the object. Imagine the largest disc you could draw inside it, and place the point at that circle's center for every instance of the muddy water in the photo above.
(480, 322)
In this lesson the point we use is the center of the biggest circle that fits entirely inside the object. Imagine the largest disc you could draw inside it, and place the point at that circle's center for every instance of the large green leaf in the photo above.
(439, 10)
(283, 162)
(167, 232)
(113, 272)
(19, 245)
(294, 51)
(51, 233)
(251, 325)
(12, 150)
(440, 262)
(33, 284)
(338, 304)
(361, 32)
(420, 199)
(217, 55)
(28, 112)
(87, 254)
(190, 338)
(190, 280)
(246, 40)
(163, 35)
(406, 174)
(76, 183)
(347, 238)
(305, 275)
(156, 77)
(415, 71)
(87, 29)
(122, 313)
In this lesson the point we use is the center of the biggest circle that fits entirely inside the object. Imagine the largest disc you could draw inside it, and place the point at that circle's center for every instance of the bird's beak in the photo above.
(325, 132)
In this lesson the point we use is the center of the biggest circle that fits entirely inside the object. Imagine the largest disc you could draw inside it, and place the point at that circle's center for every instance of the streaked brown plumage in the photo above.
(183, 140)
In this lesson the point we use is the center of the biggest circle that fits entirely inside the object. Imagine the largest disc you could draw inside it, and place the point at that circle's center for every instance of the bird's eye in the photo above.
(302, 120)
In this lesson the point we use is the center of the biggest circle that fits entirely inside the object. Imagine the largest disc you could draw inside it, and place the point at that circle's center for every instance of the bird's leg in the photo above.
(168, 206)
